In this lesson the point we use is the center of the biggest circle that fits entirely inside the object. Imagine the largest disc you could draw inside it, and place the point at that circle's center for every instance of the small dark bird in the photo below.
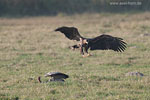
(102, 42)
(56, 76)
(74, 47)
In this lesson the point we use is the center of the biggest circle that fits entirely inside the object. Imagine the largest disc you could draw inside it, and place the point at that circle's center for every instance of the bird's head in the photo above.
(83, 41)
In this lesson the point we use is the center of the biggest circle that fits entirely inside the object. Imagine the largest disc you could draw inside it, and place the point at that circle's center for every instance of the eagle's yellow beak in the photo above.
(85, 41)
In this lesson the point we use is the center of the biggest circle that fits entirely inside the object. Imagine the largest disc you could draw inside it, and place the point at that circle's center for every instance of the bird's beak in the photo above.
(85, 41)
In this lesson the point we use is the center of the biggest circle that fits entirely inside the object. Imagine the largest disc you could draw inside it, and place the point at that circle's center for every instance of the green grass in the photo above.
(30, 48)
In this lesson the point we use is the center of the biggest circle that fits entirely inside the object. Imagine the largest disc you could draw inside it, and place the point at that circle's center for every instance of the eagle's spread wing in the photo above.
(70, 32)
(105, 42)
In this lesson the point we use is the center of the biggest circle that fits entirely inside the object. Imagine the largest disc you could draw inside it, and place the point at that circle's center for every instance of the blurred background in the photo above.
(69, 7)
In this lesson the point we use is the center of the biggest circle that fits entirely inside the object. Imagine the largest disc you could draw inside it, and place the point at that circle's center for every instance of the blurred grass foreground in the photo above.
(54, 7)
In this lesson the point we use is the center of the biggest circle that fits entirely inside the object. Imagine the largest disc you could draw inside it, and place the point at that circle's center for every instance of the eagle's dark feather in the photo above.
(70, 32)
(105, 42)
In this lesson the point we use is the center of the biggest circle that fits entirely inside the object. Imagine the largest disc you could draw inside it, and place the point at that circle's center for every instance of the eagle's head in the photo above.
(85, 41)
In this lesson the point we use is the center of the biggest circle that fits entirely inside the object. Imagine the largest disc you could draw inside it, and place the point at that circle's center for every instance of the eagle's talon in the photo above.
(89, 54)
(84, 56)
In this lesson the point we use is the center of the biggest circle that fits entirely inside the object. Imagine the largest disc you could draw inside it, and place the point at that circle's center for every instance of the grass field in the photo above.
(30, 48)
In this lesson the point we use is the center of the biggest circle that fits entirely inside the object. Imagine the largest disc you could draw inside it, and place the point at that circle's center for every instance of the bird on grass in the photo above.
(55, 76)
(101, 42)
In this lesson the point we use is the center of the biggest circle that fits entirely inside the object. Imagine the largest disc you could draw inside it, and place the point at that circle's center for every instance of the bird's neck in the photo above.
(83, 41)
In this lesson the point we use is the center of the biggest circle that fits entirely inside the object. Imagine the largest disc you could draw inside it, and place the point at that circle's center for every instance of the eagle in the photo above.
(101, 42)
